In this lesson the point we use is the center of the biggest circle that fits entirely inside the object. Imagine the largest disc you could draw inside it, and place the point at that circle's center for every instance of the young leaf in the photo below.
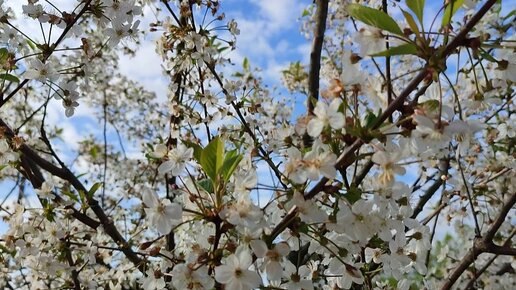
(69, 194)
(230, 163)
(3, 53)
(9, 77)
(403, 49)
(246, 64)
(31, 44)
(94, 189)
(451, 9)
(373, 17)
(206, 184)
(353, 194)
(212, 158)
(411, 22)
(417, 6)
(370, 119)
(485, 55)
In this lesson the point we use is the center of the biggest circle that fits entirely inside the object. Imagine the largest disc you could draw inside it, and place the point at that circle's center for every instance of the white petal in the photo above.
(282, 248)
(337, 120)
(380, 157)
(166, 167)
(320, 110)
(245, 259)
(274, 271)
(163, 223)
(223, 274)
(150, 198)
(174, 211)
(259, 248)
(159, 151)
(251, 279)
(31, 74)
(315, 127)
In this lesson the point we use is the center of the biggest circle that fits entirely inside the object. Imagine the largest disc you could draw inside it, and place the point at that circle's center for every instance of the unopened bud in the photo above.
(146, 245)
(154, 251)
(354, 58)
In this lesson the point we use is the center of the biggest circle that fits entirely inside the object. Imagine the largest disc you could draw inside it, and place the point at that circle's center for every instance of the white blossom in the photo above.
(234, 273)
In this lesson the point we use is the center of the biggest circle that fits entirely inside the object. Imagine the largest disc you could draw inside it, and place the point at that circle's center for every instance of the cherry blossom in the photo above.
(235, 273)
(175, 159)
(326, 115)
(42, 72)
(163, 214)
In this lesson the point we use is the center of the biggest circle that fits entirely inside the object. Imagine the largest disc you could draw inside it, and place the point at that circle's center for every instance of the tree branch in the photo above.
(315, 55)
(444, 165)
(483, 245)
(315, 61)
(479, 272)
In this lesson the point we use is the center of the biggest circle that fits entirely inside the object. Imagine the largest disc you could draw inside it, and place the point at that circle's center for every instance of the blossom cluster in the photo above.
(234, 188)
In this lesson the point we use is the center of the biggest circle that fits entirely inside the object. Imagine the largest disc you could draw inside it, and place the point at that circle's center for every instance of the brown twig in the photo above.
(315, 54)
(315, 61)
(444, 165)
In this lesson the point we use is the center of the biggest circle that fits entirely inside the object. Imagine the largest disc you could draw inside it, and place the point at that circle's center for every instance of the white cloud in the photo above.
(279, 15)
(266, 35)
(145, 68)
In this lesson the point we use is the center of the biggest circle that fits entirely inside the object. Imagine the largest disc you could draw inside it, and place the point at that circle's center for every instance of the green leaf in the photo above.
(403, 49)
(306, 12)
(69, 194)
(246, 64)
(487, 56)
(94, 189)
(212, 158)
(31, 44)
(4, 249)
(3, 52)
(230, 163)
(450, 10)
(48, 210)
(9, 77)
(206, 184)
(373, 17)
(353, 194)
(94, 152)
(369, 120)
(411, 22)
(83, 197)
(417, 6)
(430, 105)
